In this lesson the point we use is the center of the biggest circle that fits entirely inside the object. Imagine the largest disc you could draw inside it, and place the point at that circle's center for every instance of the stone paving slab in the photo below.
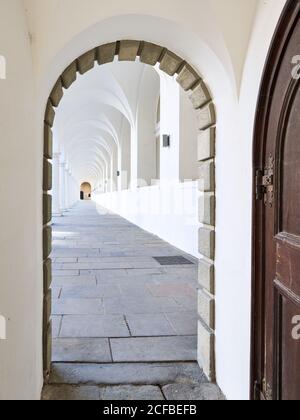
(131, 260)
(134, 290)
(57, 273)
(80, 280)
(109, 265)
(153, 349)
(70, 393)
(135, 305)
(56, 291)
(126, 374)
(184, 323)
(90, 292)
(56, 324)
(93, 326)
(76, 252)
(132, 393)
(189, 303)
(171, 289)
(149, 325)
(103, 275)
(77, 307)
(65, 260)
(144, 272)
(202, 392)
(87, 350)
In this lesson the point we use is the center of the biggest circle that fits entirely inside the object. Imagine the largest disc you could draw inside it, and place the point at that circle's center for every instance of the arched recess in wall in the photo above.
(192, 82)
(85, 191)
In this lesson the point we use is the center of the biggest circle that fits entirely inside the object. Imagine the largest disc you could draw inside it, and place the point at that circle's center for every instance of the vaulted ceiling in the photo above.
(93, 114)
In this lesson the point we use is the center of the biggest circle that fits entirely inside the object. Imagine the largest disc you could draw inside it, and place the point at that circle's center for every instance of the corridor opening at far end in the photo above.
(85, 191)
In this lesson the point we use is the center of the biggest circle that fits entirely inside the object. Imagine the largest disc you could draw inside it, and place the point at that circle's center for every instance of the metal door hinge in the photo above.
(265, 183)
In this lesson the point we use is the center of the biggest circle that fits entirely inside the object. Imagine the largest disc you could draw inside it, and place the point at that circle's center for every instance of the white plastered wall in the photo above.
(146, 122)
(20, 214)
(188, 140)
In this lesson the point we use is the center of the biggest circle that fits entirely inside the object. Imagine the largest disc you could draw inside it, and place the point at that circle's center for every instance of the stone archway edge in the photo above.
(189, 80)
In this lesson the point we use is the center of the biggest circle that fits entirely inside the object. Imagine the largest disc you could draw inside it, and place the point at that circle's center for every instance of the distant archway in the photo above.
(85, 191)
(192, 82)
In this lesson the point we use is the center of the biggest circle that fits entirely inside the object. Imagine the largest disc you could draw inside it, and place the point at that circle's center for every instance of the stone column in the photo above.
(72, 197)
(76, 193)
(62, 181)
(56, 206)
(67, 188)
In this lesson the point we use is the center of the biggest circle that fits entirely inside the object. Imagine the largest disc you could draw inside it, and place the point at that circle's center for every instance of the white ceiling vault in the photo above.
(95, 112)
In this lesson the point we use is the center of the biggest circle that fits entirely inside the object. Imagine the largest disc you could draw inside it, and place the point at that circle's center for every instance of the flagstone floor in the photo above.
(124, 321)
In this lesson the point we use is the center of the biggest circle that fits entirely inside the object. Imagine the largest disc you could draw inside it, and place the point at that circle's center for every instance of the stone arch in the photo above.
(189, 79)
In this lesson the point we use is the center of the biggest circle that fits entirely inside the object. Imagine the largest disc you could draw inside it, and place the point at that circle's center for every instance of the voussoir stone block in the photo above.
(207, 144)
(206, 353)
(207, 242)
(207, 209)
(206, 308)
(206, 275)
(200, 95)
(151, 53)
(187, 77)
(47, 241)
(106, 53)
(69, 75)
(57, 93)
(206, 116)
(47, 306)
(206, 180)
(47, 350)
(47, 272)
(47, 175)
(48, 142)
(128, 50)
(170, 63)
(47, 208)
(86, 62)
(49, 114)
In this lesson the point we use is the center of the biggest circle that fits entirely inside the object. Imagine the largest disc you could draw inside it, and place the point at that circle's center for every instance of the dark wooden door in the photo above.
(276, 311)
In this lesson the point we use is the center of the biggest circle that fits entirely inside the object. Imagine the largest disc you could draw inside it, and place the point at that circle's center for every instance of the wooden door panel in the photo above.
(287, 309)
(290, 168)
(276, 350)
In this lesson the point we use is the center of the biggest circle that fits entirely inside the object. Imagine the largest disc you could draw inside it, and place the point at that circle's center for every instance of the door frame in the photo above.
(281, 37)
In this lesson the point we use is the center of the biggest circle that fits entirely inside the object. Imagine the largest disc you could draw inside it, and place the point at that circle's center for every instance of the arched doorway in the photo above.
(200, 97)
(85, 191)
